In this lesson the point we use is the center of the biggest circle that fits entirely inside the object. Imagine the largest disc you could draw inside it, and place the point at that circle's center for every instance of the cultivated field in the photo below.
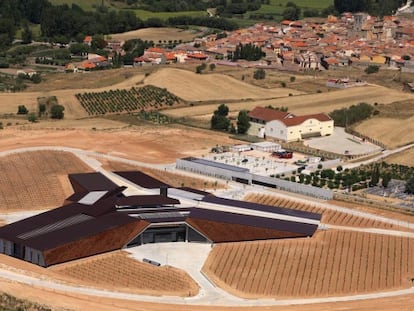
(38, 179)
(156, 34)
(205, 87)
(174, 179)
(304, 104)
(329, 217)
(118, 271)
(330, 263)
(391, 131)
(404, 158)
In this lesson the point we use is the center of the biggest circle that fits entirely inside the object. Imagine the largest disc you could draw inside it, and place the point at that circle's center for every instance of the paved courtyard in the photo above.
(342, 143)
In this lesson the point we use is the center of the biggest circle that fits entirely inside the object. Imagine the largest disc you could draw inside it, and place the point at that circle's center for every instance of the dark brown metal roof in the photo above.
(146, 200)
(196, 191)
(141, 179)
(92, 181)
(261, 207)
(253, 221)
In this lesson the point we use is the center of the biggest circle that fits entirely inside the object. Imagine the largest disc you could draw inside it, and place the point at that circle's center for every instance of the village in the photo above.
(310, 44)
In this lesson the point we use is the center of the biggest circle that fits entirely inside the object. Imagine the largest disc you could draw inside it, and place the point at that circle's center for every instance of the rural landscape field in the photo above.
(117, 86)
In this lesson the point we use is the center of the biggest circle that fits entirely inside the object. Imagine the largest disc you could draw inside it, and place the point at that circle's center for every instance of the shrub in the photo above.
(31, 117)
(371, 69)
(292, 79)
(21, 109)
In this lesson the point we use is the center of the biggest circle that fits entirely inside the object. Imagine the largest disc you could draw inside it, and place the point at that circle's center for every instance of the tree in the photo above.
(259, 74)
(42, 109)
(409, 186)
(386, 180)
(375, 176)
(36, 78)
(222, 110)
(27, 35)
(291, 13)
(56, 112)
(212, 66)
(219, 120)
(243, 123)
(21, 109)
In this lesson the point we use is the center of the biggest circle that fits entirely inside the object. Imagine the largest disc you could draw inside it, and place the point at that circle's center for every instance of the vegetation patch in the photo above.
(136, 99)
(9, 303)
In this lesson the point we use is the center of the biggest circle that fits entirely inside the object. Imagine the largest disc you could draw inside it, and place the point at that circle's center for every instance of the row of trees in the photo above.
(375, 174)
(355, 113)
(220, 120)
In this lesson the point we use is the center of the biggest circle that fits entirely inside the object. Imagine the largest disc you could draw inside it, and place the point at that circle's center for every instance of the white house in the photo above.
(266, 122)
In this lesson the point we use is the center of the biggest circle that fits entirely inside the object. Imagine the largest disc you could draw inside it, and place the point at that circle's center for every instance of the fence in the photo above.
(362, 136)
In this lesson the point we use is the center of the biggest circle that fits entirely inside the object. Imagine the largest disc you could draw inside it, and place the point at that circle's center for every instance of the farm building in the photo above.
(99, 218)
(266, 146)
(244, 175)
(285, 126)
(240, 148)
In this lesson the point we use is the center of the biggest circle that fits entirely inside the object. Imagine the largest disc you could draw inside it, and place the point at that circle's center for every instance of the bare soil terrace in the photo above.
(151, 144)
(174, 179)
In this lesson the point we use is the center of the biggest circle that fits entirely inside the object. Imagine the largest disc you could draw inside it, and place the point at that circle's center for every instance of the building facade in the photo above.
(288, 127)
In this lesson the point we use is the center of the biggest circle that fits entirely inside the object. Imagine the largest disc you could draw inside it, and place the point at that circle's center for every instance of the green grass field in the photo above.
(277, 6)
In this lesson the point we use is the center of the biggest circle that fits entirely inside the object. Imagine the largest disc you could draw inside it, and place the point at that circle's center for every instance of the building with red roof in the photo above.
(267, 122)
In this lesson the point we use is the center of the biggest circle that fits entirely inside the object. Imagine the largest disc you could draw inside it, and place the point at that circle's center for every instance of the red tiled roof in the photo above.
(156, 50)
(88, 65)
(267, 114)
(322, 117)
(197, 56)
(170, 56)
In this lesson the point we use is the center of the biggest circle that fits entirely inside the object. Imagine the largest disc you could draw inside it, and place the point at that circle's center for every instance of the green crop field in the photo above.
(86, 5)
(277, 6)
(144, 15)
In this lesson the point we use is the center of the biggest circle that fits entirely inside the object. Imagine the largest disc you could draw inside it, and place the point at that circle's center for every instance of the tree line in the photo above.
(248, 52)
(347, 116)
(373, 7)
(61, 23)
